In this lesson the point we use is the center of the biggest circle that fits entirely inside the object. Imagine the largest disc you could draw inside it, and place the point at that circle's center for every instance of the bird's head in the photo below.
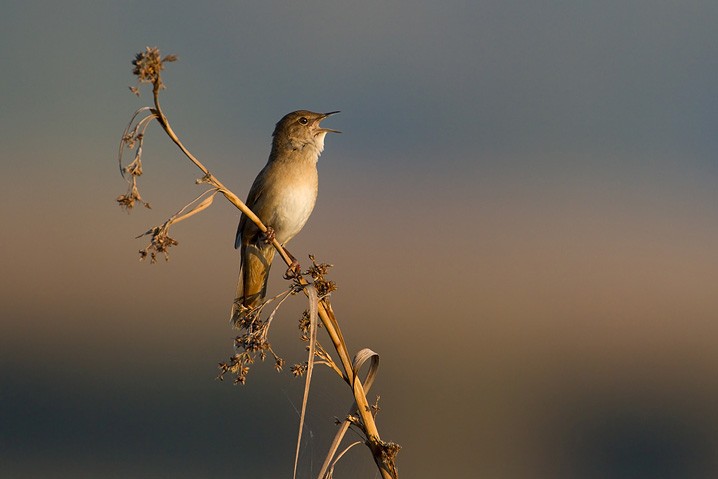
(301, 129)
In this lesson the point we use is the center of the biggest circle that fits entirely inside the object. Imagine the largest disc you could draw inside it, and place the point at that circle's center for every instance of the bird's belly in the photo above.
(292, 212)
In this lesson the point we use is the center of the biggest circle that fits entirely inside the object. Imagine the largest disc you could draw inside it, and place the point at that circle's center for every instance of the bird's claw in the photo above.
(269, 235)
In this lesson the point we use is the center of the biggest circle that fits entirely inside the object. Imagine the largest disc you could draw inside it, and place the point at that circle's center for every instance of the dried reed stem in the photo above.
(383, 460)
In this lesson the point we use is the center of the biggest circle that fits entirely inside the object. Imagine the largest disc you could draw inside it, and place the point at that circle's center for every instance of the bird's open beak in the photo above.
(328, 130)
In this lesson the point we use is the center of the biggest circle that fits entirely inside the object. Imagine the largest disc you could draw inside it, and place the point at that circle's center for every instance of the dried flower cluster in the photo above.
(317, 271)
(389, 451)
(253, 343)
(147, 67)
(132, 139)
(304, 324)
(299, 369)
(159, 244)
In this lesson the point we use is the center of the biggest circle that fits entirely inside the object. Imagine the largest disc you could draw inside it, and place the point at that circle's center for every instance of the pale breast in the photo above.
(293, 202)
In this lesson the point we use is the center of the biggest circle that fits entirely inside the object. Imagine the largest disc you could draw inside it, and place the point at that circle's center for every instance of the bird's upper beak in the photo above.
(327, 130)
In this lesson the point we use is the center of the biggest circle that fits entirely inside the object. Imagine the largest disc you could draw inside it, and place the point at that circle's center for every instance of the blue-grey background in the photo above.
(521, 212)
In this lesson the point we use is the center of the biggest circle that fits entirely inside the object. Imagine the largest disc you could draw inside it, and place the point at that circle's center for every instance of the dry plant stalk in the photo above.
(148, 66)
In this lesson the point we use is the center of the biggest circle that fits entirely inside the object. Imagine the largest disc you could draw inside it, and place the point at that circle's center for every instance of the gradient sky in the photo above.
(521, 212)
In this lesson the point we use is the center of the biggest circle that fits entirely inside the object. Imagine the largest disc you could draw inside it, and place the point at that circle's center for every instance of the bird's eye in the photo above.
(303, 120)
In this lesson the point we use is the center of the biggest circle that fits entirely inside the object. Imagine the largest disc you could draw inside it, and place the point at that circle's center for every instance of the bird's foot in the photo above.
(269, 235)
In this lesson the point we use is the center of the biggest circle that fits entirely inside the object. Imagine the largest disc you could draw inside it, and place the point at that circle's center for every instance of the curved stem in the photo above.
(210, 178)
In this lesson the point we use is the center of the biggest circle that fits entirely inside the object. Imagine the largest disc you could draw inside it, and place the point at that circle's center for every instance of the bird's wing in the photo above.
(255, 192)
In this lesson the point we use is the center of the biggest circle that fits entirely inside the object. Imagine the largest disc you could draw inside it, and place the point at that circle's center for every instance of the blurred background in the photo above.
(521, 212)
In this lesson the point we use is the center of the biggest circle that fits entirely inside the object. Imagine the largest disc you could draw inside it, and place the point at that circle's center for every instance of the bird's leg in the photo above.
(294, 269)
(269, 235)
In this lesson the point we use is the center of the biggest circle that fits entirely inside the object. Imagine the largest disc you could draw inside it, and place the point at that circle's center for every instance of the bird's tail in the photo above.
(255, 262)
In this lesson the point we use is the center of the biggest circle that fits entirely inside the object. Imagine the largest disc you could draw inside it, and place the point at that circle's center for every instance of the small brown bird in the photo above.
(282, 196)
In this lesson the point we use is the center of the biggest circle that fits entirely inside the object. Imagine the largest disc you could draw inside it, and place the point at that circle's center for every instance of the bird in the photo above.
(283, 196)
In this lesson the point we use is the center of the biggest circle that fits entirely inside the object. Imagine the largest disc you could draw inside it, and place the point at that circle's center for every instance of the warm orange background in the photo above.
(521, 212)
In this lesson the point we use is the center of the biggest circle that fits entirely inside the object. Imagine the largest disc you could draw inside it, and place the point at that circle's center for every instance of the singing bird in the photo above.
(282, 196)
